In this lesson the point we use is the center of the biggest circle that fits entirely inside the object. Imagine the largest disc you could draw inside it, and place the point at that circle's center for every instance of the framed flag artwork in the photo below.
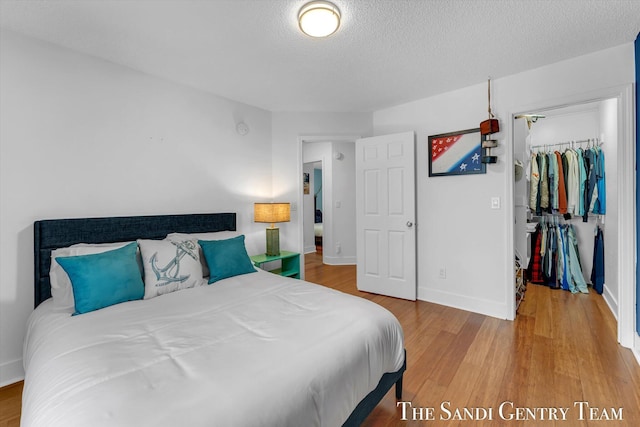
(456, 153)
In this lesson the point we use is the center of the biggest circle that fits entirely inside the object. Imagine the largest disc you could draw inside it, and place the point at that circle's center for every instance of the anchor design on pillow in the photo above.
(170, 273)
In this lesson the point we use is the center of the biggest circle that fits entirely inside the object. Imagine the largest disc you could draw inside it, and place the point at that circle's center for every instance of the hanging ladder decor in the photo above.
(488, 127)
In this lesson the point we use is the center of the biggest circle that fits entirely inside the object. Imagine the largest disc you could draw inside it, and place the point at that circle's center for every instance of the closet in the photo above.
(565, 198)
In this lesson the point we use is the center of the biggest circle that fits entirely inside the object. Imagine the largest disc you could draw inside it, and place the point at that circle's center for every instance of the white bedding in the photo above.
(252, 350)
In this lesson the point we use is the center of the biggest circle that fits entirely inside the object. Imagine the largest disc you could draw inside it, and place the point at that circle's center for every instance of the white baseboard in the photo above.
(11, 372)
(464, 302)
(309, 249)
(611, 301)
(348, 260)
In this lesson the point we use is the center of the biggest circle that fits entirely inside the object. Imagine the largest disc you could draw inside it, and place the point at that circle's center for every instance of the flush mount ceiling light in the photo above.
(319, 18)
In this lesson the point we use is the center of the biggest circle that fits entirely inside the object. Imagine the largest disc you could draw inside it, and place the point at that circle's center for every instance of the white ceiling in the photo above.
(386, 52)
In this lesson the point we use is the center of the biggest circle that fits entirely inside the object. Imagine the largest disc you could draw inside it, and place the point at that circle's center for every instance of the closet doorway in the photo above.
(580, 129)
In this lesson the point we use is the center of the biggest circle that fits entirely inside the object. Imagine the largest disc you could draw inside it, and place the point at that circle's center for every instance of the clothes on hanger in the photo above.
(562, 188)
(534, 269)
(570, 183)
(597, 272)
(599, 205)
(555, 260)
(534, 182)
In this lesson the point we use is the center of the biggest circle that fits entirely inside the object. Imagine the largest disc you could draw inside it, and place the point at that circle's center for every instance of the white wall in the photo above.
(457, 229)
(343, 206)
(82, 137)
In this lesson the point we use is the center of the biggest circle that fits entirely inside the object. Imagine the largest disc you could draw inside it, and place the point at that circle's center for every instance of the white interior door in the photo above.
(385, 215)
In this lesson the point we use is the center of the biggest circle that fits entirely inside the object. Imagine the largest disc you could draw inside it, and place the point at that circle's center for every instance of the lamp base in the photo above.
(273, 241)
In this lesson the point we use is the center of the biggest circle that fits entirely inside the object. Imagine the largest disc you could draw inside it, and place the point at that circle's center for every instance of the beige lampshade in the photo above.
(272, 212)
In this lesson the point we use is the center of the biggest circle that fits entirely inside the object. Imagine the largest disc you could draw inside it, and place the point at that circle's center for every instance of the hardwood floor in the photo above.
(10, 405)
(561, 349)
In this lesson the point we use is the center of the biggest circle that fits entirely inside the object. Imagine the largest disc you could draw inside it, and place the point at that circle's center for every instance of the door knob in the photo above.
(409, 224)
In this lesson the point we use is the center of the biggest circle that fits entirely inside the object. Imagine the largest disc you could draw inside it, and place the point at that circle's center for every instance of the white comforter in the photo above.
(253, 350)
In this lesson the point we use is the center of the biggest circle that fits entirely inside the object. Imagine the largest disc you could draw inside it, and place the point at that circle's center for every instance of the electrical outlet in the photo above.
(443, 273)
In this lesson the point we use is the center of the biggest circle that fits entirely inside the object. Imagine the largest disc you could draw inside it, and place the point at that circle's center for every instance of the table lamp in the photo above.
(272, 213)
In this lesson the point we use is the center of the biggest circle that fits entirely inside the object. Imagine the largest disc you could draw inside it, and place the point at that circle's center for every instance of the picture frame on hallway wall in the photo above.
(456, 153)
(305, 183)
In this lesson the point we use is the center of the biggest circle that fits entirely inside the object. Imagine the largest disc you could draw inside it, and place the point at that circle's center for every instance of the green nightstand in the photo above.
(290, 263)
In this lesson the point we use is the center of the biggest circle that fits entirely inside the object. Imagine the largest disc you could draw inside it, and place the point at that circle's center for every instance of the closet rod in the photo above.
(595, 141)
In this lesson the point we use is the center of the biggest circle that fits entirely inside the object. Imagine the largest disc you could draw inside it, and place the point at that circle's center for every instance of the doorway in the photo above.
(313, 209)
(335, 157)
(603, 120)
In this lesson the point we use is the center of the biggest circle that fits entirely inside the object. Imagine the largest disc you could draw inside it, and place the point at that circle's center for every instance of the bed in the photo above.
(253, 349)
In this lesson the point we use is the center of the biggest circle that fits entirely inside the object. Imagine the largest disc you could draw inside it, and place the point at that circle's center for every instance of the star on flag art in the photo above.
(456, 153)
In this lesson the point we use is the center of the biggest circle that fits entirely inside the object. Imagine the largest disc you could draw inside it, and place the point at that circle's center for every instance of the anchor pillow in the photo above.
(170, 266)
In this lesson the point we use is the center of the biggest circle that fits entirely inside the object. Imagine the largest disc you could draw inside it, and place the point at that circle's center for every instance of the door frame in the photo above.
(626, 201)
(322, 162)
(327, 219)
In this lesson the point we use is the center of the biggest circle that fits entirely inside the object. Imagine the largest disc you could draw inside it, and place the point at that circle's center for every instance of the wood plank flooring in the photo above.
(561, 349)
(10, 405)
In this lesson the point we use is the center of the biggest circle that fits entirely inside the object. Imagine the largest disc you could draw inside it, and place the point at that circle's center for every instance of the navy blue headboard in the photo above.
(51, 234)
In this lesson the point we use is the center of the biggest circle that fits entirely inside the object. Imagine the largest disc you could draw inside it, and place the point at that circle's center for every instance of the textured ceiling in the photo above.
(385, 53)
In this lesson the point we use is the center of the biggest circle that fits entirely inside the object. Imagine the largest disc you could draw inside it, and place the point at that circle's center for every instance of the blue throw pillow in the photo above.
(226, 258)
(104, 279)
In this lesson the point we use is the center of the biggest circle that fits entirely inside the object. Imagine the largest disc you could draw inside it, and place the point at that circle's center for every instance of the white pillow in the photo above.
(170, 265)
(61, 289)
(213, 235)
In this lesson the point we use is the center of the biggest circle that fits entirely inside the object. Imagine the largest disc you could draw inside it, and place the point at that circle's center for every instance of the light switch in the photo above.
(338, 203)
(495, 203)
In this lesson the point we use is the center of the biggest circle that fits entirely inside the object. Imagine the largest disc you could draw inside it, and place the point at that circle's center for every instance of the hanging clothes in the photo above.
(576, 279)
(570, 183)
(573, 182)
(553, 181)
(590, 184)
(597, 271)
(582, 179)
(543, 164)
(556, 259)
(534, 269)
(534, 183)
(562, 189)
(567, 184)
(550, 259)
(599, 206)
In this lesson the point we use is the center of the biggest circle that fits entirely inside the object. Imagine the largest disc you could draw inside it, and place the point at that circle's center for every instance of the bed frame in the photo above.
(57, 233)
